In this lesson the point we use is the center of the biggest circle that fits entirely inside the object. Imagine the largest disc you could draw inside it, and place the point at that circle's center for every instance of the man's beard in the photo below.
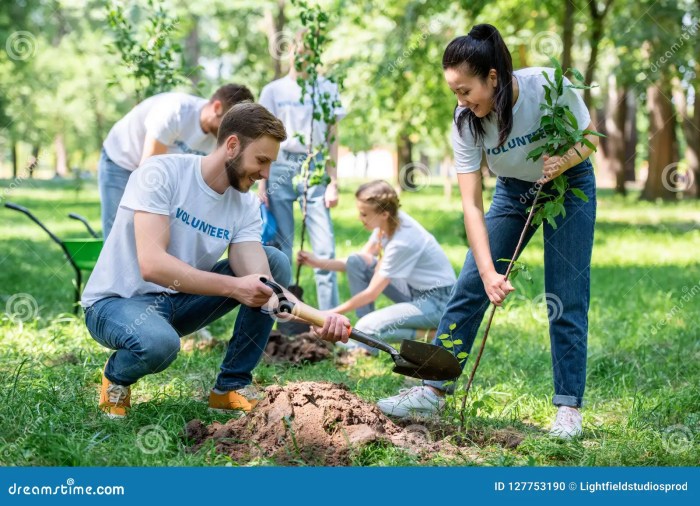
(235, 172)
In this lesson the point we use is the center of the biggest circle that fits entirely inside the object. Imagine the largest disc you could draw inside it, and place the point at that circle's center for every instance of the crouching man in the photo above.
(159, 276)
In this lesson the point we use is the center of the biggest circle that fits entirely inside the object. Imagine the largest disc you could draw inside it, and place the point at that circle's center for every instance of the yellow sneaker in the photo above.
(114, 399)
(243, 399)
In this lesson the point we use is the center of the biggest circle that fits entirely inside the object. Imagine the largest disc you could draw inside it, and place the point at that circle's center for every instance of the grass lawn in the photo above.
(643, 401)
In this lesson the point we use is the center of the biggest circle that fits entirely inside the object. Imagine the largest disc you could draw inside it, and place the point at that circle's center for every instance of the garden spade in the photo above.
(416, 359)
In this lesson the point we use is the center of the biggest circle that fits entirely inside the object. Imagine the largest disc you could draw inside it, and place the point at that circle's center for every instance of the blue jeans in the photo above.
(567, 266)
(145, 330)
(282, 193)
(414, 309)
(111, 180)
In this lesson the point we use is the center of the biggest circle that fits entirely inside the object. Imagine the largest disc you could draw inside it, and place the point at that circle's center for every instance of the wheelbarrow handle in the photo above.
(21, 209)
(84, 221)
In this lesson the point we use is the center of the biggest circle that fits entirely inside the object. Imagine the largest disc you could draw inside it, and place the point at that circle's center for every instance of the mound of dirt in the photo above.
(296, 350)
(313, 423)
(324, 423)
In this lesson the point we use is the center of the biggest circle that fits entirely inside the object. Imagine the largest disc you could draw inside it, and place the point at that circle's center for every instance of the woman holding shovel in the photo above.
(402, 260)
(497, 112)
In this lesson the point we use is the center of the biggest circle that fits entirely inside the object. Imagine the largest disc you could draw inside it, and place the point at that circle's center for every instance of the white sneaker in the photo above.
(202, 334)
(412, 401)
(568, 423)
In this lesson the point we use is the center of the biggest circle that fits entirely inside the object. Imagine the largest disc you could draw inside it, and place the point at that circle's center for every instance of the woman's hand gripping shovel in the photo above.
(415, 359)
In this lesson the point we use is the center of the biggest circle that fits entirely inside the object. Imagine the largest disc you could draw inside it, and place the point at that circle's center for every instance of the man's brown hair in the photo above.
(232, 94)
(249, 122)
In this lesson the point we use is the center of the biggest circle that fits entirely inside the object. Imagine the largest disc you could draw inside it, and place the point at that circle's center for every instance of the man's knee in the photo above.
(356, 263)
(159, 352)
(280, 268)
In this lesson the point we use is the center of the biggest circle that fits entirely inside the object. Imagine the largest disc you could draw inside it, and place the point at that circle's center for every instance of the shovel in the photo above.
(415, 359)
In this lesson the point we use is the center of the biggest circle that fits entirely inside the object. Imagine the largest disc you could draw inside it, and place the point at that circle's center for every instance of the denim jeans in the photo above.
(282, 193)
(145, 330)
(567, 261)
(414, 309)
(111, 180)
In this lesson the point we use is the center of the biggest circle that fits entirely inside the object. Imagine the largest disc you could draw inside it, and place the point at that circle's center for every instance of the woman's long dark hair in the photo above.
(477, 53)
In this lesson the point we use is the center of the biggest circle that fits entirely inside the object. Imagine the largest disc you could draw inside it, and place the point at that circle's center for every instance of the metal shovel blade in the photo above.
(426, 361)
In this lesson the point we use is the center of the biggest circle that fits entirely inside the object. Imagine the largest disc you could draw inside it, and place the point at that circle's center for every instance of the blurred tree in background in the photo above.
(58, 60)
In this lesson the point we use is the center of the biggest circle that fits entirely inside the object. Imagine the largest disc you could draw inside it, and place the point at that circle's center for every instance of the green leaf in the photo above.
(453, 326)
(447, 344)
(462, 354)
(579, 193)
(457, 342)
(577, 75)
(444, 336)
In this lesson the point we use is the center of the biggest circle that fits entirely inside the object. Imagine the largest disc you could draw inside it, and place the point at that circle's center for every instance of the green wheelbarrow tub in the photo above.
(84, 252)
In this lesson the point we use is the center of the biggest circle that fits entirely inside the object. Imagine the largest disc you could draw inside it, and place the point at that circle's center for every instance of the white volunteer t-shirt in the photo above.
(171, 118)
(509, 160)
(283, 99)
(412, 254)
(202, 225)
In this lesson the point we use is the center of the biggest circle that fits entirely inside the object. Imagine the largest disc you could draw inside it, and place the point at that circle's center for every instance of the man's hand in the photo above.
(496, 286)
(331, 195)
(335, 328)
(250, 291)
(306, 258)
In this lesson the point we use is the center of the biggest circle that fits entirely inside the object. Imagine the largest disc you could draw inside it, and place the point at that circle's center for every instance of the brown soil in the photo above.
(296, 350)
(324, 423)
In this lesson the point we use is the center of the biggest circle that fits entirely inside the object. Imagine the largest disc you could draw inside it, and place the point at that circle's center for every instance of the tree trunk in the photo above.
(192, 51)
(630, 136)
(691, 131)
(61, 156)
(404, 150)
(615, 131)
(660, 181)
(274, 25)
(15, 163)
(597, 29)
(568, 39)
(33, 161)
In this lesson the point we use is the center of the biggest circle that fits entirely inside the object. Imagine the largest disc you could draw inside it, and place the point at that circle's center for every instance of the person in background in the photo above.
(164, 123)
(283, 99)
(402, 260)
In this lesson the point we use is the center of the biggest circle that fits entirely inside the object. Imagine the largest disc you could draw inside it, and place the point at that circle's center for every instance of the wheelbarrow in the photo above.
(82, 254)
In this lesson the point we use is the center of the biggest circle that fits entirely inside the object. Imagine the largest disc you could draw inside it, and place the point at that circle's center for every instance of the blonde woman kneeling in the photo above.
(401, 259)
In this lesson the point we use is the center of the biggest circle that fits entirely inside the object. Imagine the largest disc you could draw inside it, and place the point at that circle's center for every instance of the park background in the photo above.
(64, 82)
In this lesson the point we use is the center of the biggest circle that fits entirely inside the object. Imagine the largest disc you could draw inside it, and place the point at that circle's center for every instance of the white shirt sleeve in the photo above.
(339, 111)
(163, 124)
(467, 154)
(267, 100)
(149, 189)
(250, 229)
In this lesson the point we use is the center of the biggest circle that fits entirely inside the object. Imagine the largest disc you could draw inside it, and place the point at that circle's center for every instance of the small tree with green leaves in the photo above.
(149, 53)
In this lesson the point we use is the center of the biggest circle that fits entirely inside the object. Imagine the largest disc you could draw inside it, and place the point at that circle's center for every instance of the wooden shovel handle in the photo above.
(311, 315)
